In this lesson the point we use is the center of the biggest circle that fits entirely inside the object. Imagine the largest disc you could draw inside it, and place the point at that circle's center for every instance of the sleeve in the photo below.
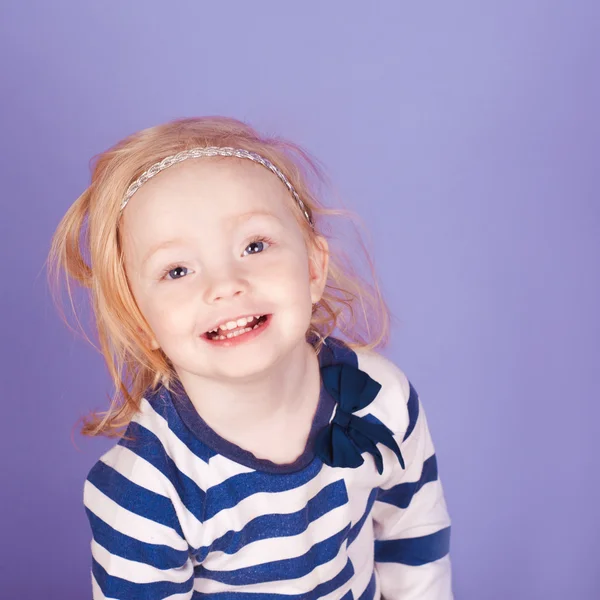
(138, 548)
(411, 520)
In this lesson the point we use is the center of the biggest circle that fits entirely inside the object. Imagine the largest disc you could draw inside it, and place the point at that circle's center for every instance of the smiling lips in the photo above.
(232, 329)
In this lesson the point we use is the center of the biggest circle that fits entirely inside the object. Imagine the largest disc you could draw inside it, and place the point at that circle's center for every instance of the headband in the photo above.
(213, 151)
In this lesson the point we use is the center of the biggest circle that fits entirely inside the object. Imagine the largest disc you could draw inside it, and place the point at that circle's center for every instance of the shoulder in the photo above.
(132, 463)
(130, 500)
(156, 453)
(397, 400)
(391, 377)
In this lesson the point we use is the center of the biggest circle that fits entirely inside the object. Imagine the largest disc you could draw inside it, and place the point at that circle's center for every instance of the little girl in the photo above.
(259, 457)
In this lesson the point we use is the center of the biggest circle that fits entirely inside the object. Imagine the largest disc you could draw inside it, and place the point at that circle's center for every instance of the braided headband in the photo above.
(213, 151)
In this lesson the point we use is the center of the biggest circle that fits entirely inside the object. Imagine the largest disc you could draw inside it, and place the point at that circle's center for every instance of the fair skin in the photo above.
(206, 242)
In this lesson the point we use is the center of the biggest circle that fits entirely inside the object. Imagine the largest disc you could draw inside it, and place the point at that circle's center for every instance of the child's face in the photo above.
(208, 242)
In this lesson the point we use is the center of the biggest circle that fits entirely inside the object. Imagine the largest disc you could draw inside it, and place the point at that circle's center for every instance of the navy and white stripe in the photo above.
(178, 513)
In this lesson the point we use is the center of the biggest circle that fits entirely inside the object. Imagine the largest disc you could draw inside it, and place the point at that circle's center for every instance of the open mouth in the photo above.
(234, 329)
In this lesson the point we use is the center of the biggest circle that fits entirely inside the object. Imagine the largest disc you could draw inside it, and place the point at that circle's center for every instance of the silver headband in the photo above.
(213, 151)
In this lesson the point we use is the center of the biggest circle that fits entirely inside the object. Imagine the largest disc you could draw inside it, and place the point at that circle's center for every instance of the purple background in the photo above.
(467, 136)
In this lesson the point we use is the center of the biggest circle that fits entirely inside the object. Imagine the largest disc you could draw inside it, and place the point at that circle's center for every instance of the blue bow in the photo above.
(342, 443)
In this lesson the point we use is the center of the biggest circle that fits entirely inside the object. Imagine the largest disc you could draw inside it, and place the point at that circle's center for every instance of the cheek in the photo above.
(167, 315)
(289, 276)
(288, 286)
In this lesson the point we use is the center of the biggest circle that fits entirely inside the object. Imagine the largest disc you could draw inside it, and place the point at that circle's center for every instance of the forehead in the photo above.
(210, 191)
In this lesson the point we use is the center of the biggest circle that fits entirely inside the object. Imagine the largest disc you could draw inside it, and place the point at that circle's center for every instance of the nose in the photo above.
(224, 285)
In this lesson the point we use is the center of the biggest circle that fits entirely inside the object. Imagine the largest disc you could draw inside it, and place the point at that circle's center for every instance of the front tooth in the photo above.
(242, 322)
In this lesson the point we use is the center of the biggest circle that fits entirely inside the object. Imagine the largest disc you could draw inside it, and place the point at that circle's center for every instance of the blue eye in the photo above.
(176, 273)
(255, 247)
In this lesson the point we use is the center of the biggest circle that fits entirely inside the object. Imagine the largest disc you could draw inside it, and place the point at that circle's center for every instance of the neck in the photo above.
(283, 391)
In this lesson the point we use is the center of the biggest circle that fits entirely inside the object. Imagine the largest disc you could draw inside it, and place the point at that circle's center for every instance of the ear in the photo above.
(154, 345)
(318, 263)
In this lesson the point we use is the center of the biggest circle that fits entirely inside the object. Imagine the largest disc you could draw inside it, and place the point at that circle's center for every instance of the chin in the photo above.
(246, 369)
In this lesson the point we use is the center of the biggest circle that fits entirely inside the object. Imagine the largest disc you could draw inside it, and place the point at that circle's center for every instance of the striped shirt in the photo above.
(179, 513)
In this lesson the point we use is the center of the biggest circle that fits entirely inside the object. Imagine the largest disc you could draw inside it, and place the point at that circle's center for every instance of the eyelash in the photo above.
(260, 238)
(254, 240)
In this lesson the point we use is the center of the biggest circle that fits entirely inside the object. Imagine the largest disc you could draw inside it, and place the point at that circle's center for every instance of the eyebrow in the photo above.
(243, 217)
(162, 246)
(235, 220)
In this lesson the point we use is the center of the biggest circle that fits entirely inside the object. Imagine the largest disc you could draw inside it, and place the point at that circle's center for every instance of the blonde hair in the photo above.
(86, 249)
